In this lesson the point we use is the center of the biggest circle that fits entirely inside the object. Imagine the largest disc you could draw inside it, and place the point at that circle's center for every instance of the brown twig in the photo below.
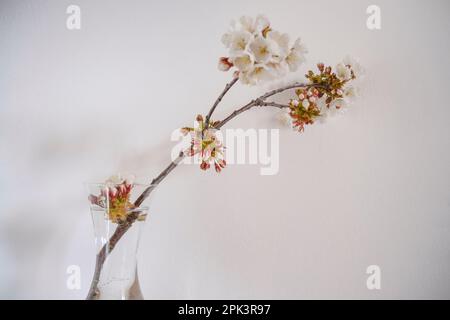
(216, 103)
(123, 227)
(105, 250)
(261, 101)
(273, 104)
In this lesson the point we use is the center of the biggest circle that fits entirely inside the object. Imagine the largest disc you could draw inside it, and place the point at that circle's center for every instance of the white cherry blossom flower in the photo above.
(324, 111)
(356, 67)
(226, 39)
(343, 72)
(114, 179)
(281, 47)
(243, 62)
(260, 53)
(254, 26)
(206, 144)
(296, 55)
(258, 74)
(240, 41)
(284, 118)
(278, 69)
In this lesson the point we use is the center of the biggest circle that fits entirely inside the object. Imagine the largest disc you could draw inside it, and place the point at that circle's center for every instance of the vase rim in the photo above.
(104, 184)
(142, 208)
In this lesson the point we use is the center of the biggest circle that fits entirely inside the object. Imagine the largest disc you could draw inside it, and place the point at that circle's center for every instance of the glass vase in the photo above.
(117, 224)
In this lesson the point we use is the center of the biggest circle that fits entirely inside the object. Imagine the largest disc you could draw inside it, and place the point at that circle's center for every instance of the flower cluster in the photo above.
(304, 110)
(329, 92)
(115, 198)
(206, 144)
(338, 86)
(258, 52)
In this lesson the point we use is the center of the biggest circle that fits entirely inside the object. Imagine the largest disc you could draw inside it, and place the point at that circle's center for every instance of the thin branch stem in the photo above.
(123, 227)
(159, 178)
(261, 100)
(290, 86)
(235, 113)
(216, 103)
(274, 104)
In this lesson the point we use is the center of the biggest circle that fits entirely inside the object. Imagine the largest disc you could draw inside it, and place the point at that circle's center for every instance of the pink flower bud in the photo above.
(112, 191)
(93, 199)
(321, 66)
(130, 180)
(104, 191)
(222, 163)
(224, 64)
(122, 189)
(204, 165)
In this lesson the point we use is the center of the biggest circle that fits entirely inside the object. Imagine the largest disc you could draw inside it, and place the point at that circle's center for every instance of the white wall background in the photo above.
(371, 187)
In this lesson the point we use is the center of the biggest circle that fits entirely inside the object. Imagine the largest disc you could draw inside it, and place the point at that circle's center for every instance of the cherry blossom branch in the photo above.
(294, 85)
(158, 179)
(261, 101)
(274, 104)
(262, 62)
(123, 227)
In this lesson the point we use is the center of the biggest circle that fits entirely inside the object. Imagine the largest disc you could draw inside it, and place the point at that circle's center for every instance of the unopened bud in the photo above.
(204, 165)
(320, 66)
(112, 191)
(224, 64)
